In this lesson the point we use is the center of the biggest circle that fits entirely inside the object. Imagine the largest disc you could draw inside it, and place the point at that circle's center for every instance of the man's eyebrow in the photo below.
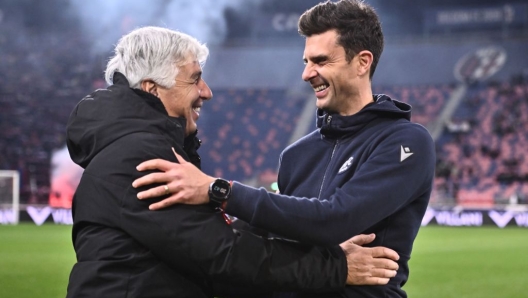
(316, 59)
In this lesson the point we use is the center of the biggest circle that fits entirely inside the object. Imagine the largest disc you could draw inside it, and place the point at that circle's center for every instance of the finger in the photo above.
(155, 164)
(383, 252)
(363, 239)
(150, 179)
(153, 192)
(178, 157)
(165, 203)
(380, 263)
(377, 281)
(383, 273)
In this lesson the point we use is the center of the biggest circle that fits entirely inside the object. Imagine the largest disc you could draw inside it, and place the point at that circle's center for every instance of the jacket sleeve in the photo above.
(380, 187)
(198, 241)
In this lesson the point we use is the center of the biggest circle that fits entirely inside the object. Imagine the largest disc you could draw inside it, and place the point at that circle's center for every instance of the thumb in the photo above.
(180, 159)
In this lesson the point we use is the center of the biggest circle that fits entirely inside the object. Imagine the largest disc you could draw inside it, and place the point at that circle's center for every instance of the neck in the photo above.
(359, 101)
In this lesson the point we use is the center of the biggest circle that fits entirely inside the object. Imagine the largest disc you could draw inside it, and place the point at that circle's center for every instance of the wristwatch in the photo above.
(219, 191)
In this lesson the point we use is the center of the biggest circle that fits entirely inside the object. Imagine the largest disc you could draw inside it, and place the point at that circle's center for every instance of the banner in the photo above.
(454, 217)
(475, 218)
(492, 16)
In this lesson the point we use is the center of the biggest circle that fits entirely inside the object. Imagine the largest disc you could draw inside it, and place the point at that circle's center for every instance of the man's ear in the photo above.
(365, 59)
(150, 87)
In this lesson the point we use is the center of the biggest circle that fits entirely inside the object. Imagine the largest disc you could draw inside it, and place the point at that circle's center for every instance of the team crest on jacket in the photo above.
(346, 165)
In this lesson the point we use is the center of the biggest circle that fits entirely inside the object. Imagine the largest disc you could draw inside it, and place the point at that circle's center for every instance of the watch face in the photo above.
(221, 189)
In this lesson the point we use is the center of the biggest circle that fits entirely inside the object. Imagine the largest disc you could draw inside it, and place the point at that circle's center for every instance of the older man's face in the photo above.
(186, 97)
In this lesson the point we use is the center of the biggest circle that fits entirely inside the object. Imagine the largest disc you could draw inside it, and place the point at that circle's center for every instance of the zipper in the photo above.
(327, 166)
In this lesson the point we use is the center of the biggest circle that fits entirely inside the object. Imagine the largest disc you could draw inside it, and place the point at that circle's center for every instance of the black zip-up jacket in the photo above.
(125, 250)
(371, 172)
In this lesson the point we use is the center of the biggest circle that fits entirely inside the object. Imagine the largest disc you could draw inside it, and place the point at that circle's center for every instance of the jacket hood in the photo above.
(109, 114)
(335, 125)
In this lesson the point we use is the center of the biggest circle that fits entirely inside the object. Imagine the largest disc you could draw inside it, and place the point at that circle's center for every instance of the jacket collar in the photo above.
(333, 125)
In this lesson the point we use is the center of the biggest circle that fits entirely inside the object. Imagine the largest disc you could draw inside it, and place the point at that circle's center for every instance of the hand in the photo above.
(369, 265)
(185, 182)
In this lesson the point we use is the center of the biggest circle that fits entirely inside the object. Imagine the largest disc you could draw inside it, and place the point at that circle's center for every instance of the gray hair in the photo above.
(154, 53)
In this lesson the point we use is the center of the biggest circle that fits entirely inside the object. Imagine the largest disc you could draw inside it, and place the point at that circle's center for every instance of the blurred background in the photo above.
(461, 64)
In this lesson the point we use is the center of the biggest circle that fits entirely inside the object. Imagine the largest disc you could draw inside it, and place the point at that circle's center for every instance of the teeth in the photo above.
(320, 88)
(197, 109)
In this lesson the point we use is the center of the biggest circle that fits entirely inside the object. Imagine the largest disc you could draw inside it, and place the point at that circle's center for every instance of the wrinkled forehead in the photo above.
(321, 44)
(189, 68)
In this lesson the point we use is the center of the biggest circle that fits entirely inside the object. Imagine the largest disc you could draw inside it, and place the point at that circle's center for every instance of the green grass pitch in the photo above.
(468, 262)
(35, 261)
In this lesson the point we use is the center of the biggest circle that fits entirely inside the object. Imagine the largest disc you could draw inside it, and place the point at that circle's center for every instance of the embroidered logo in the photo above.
(346, 165)
(405, 153)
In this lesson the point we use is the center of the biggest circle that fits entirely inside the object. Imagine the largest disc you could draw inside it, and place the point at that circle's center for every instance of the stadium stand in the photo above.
(244, 130)
(42, 78)
(484, 164)
(47, 66)
(426, 100)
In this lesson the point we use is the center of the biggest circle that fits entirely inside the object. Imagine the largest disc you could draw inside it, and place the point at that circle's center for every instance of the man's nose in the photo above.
(205, 92)
(308, 72)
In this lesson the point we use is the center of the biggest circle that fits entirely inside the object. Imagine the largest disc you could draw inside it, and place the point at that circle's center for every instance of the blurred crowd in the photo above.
(42, 77)
(481, 160)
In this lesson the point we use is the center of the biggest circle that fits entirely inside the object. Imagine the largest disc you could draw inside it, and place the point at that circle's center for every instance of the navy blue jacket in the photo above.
(371, 172)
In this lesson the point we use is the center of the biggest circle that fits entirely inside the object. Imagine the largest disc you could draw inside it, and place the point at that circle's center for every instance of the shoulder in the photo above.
(304, 141)
(403, 129)
(415, 133)
(145, 144)
(132, 149)
(401, 139)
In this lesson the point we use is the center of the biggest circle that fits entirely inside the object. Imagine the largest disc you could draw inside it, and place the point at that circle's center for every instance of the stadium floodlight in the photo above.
(9, 196)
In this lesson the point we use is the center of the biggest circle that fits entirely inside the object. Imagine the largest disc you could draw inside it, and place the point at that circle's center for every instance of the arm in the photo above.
(197, 240)
(379, 188)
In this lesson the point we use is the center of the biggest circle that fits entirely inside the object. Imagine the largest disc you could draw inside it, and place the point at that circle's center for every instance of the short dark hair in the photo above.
(356, 23)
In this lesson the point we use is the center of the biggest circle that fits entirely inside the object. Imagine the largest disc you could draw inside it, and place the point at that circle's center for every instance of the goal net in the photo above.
(9, 197)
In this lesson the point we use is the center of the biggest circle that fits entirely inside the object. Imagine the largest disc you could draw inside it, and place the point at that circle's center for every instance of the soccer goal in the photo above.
(9, 197)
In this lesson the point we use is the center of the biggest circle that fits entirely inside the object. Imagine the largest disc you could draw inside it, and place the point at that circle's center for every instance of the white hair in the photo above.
(154, 53)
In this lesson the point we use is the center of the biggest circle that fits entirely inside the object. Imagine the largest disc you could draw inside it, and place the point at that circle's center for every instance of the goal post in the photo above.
(9, 196)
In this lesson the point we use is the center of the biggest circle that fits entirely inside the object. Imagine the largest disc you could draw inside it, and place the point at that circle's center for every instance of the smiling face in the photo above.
(186, 96)
(337, 83)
